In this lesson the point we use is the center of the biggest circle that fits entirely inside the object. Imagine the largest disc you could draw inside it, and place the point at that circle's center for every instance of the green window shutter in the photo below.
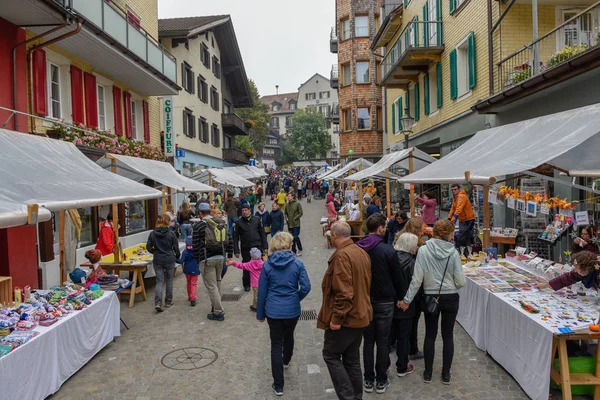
(405, 3)
(440, 92)
(406, 40)
(425, 24)
(393, 117)
(426, 94)
(407, 99)
(417, 102)
(472, 62)
(400, 112)
(416, 31)
(453, 76)
(439, 25)
(452, 6)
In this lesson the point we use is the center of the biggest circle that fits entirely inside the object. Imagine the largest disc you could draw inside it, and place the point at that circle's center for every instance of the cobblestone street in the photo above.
(135, 365)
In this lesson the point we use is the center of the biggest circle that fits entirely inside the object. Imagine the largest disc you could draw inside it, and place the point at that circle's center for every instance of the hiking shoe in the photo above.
(216, 317)
(382, 386)
(409, 370)
(368, 385)
(427, 377)
(278, 392)
(252, 308)
(193, 303)
(446, 378)
(416, 356)
(158, 308)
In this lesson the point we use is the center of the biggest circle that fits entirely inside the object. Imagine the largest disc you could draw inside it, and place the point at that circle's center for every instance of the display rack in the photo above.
(532, 227)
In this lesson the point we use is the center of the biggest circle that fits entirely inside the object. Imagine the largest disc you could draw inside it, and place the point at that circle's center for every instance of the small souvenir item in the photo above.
(529, 308)
(18, 296)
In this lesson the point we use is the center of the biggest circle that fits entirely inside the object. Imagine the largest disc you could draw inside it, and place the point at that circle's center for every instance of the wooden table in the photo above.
(564, 377)
(504, 240)
(138, 269)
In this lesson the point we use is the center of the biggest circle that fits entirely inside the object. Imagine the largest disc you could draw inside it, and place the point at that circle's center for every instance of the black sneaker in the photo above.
(409, 370)
(193, 303)
(416, 356)
(382, 386)
(446, 378)
(427, 377)
(158, 308)
(368, 386)
(252, 308)
(246, 288)
(278, 392)
(216, 317)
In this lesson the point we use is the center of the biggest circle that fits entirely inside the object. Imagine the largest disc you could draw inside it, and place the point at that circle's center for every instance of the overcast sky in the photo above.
(283, 42)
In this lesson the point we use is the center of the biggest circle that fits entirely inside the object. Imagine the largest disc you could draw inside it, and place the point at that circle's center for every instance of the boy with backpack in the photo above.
(190, 269)
(210, 244)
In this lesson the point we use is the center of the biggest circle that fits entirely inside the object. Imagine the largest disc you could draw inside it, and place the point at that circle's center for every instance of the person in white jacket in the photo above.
(439, 270)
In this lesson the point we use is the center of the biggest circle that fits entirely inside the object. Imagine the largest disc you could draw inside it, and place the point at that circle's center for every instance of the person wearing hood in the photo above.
(331, 211)
(265, 217)
(395, 225)
(248, 233)
(191, 270)
(385, 284)
(277, 219)
(282, 285)
(254, 266)
(163, 245)
(293, 213)
(106, 238)
(439, 270)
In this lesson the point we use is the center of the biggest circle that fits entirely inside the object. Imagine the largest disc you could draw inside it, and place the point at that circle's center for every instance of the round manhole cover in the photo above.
(189, 358)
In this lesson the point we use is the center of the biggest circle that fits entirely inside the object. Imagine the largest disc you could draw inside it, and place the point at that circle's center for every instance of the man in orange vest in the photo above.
(462, 212)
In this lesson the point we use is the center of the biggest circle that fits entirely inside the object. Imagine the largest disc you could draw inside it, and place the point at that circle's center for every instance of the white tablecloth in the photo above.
(39, 368)
(473, 312)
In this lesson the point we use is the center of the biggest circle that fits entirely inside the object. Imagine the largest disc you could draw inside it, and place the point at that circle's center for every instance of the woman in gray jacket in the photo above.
(430, 265)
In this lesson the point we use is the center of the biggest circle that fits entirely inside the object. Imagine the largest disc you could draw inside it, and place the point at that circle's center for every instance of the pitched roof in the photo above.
(283, 99)
(187, 24)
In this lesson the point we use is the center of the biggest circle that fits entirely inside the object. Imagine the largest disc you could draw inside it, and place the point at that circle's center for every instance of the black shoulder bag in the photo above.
(431, 302)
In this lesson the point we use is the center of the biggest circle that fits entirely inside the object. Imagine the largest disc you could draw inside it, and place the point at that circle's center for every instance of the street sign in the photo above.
(169, 126)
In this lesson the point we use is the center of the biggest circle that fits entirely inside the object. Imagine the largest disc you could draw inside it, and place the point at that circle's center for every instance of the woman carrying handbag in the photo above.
(439, 269)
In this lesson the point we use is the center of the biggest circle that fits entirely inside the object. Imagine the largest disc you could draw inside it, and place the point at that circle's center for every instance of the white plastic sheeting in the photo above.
(223, 176)
(567, 140)
(57, 176)
(159, 171)
(258, 172)
(246, 171)
(397, 159)
(322, 172)
(360, 163)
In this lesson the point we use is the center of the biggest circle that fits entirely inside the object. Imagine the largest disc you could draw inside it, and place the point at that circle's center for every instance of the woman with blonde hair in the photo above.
(414, 226)
(282, 285)
(162, 243)
(183, 218)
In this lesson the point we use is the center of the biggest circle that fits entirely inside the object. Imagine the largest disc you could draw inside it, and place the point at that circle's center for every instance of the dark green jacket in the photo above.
(293, 213)
(251, 199)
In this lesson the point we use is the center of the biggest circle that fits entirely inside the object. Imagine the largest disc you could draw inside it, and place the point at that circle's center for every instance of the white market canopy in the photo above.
(322, 172)
(57, 176)
(159, 171)
(398, 159)
(568, 141)
(223, 176)
(359, 164)
(304, 164)
(246, 171)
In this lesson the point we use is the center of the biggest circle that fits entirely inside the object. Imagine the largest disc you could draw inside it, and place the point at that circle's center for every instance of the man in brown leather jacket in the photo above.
(346, 311)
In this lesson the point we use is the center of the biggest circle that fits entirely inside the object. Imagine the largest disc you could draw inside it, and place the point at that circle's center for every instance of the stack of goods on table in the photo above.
(18, 323)
(109, 282)
(504, 278)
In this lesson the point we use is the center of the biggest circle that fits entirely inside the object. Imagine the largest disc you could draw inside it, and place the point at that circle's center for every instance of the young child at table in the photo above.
(255, 267)
(585, 270)
(190, 269)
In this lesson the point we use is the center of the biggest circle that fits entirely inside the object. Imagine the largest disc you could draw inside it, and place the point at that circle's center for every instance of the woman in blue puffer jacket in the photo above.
(282, 285)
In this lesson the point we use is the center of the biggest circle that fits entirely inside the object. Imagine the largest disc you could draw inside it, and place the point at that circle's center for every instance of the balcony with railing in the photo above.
(334, 81)
(333, 113)
(419, 45)
(333, 41)
(234, 125)
(390, 23)
(235, 156)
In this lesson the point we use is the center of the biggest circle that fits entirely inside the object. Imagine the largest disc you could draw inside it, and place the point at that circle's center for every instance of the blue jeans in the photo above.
(231, 221)
(186, 230)
(295, 231)
(378, 333)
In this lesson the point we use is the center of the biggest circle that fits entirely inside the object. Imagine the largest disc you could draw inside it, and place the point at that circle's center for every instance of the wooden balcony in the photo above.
(234, 125)
(235, 156)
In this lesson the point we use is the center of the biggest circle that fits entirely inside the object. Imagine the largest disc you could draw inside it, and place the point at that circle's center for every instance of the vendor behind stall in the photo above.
(106, 238)
(584, 242)
(585, 270)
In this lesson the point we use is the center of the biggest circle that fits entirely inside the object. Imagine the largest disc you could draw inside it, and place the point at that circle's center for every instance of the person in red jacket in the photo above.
(106, 239)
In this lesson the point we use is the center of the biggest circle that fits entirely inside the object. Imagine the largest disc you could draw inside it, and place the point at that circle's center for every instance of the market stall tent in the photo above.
(322, 172)
(13, 214)
(358, 164)
(223, 176)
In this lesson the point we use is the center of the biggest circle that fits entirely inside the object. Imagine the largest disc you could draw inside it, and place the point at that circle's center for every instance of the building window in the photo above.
(275, 106)
(86, 236)
(203, 130)
(205, 55)
(311, 96)
(324, 95)
(134, 129)
(346, 29)
(216, 136)
(362, 72)
(346, 77)
(226, 107)
(135, 217)
(216, 67)
(361, 26)
(101, 108)
(187, 77)
(54, 91)
(288, 121)
(465, 65)
(214, 98)
(433, 89)
(323, 109)
(202, 89)
(292, 105)
(364, 118)
(347, 120)
(275, 122)
(188, 168)
(189, 123)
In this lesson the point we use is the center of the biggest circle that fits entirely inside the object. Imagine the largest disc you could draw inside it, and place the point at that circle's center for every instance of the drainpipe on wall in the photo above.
(41, 45)
(490, 48)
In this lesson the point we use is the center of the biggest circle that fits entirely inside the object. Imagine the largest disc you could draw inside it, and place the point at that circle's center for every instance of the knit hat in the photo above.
(255, 253)
(245, 205)
(93, 255)
(188, 240)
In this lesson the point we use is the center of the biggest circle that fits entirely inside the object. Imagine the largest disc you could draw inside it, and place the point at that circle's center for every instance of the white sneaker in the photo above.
(299, 253)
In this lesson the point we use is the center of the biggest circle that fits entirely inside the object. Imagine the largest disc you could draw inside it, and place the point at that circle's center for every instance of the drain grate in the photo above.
(308, 315)
(231, 296)
(189, 358)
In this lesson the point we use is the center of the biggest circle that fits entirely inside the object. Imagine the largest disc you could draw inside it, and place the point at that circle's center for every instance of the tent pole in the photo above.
(226, 190)
(168, 196)
(115, 213)
(388, 195)
(164, 200)
(486, 216)
(61, 241)
(412, 187)
(210, 183)
(360, 200)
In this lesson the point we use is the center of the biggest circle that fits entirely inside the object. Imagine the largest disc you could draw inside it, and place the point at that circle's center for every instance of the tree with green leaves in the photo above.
(259, 115)
(309, 136)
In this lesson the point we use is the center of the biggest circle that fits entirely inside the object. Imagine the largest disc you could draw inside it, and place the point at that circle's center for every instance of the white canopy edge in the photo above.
(222, 176)
(397, 159)
(246, 171)
(322, 172)
(159, 171)
(356, 164)
(568, 141)
(258, 172)
(12, 214)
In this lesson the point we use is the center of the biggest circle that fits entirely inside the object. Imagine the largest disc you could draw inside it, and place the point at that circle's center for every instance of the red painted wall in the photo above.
(12, 35)
(18, 255)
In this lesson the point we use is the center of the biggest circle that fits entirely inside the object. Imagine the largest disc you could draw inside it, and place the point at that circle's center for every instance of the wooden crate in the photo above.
(6, 290)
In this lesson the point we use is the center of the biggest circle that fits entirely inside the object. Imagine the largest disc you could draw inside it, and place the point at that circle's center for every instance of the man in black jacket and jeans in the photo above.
(248, 233)
(385, 284)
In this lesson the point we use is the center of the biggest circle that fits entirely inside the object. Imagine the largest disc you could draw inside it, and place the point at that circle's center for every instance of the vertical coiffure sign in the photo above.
(169, 132)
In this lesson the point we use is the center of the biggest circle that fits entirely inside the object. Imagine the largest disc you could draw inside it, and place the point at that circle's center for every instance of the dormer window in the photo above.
(292, 105)
(275, 106)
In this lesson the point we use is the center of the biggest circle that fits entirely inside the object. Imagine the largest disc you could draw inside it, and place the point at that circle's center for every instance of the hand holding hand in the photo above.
(265, 257)
(229, 262)
(403, 305)
(334, 327)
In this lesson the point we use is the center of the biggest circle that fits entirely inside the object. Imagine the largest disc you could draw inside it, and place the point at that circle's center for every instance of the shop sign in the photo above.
(168, 110)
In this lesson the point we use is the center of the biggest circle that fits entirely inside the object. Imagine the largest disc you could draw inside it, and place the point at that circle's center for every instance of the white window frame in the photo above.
(361, 81)
(462, 68)
(134, 124)
(102, 125)
(326, 94)
(433, 91)
(49, 99)
(275, 107)
(292, 105)
(357, 27)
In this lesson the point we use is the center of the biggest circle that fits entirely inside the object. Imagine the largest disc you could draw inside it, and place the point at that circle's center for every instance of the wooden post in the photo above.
(486, 216)
(169, 199)
(412, 187)
(210, 183)
(115, 213)
(164, 200)
(388, 195)
(61, 241)
(360, 197)
(226, 190)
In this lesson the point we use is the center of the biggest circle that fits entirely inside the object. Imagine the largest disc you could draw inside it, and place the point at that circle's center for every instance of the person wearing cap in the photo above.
(190, 269)
(248, 233)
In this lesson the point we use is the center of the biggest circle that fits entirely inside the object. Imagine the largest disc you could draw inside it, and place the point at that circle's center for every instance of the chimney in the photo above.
(277, 89)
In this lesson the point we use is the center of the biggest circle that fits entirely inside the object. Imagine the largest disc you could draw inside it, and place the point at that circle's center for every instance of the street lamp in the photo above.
(407, 122)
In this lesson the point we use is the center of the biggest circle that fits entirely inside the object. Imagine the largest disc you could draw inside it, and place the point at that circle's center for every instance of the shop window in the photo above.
(364, 118)
(135, 217)
(86, 237)
(362, 72)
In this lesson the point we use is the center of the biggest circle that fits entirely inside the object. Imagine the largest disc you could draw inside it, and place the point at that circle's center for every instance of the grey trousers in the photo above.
(163, 272)
(211, 275)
